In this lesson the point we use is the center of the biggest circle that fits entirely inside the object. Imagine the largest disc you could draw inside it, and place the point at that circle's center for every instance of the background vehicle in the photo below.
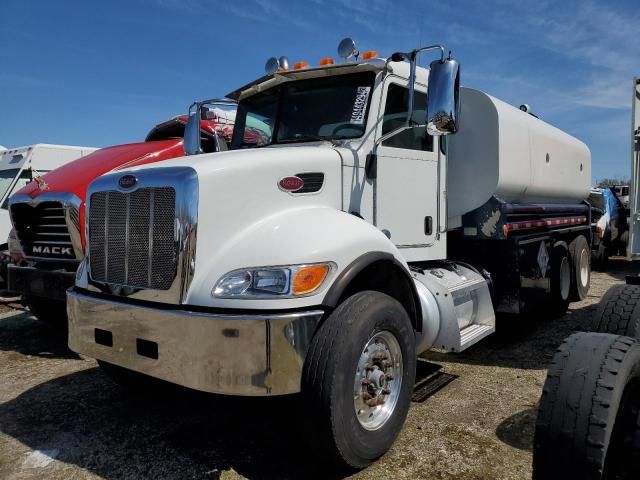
(609, 225)
(634, 201)
(20, 165)
(619, 309)
(50, 241)
(622, 192)
(370, 226)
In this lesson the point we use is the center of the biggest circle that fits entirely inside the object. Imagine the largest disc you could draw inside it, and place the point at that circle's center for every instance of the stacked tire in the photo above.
(588, 424)
(619, 311)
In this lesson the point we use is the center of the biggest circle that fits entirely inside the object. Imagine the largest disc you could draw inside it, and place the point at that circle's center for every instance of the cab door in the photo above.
(406, 189)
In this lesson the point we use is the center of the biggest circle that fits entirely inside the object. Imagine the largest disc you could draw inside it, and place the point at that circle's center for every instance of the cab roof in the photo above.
(375, 65)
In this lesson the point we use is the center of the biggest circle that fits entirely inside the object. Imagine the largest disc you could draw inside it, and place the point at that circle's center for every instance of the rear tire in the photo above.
(561, 274)
(132, 382)
(619, 311)
(46, 310)
(589, 411)
(345, 368)
(580, 253)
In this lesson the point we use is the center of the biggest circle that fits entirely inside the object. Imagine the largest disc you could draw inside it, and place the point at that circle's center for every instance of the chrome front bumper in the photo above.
(244, 354)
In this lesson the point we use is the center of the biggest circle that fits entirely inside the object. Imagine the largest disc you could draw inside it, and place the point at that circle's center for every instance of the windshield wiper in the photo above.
(302, 137)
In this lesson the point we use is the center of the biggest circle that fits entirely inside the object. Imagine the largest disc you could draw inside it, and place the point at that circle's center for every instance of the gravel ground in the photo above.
(61, 418)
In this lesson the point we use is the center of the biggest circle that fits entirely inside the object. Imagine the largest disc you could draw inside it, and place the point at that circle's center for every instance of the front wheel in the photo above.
(53, 312)
(358, 378)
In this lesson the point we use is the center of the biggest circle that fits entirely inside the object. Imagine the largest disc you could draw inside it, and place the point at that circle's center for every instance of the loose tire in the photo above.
(560, 280)
(580, 253)
(361, 359)
(47, 310)
(588, 424)
(619, 311)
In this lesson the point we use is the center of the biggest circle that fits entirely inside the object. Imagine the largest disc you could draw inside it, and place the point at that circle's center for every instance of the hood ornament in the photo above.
(127, 181)
(42, 185)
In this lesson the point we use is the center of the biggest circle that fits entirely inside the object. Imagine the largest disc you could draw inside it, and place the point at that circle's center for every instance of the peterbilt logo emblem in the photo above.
(291, 184)
(44, 249)
(127, 181)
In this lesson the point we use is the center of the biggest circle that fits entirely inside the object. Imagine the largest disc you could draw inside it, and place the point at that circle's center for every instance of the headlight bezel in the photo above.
(253, 293)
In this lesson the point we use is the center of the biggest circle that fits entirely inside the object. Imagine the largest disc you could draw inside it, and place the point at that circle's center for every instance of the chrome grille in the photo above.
(43, 230)
(132, 237)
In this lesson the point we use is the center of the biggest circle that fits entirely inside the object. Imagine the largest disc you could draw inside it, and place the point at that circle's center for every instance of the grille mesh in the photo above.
(43, 231)
(132, 237)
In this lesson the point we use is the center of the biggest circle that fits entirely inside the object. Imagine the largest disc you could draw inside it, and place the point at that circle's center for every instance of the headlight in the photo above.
(270, 282)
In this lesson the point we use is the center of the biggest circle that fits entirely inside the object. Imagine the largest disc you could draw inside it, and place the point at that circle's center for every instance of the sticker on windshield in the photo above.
(360, 105)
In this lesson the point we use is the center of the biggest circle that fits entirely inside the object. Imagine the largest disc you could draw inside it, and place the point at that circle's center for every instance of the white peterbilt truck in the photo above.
(386, 211)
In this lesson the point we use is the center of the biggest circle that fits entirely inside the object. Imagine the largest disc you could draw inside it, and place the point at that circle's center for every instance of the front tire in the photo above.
(48, 311)
(358, 378)
(134, 383)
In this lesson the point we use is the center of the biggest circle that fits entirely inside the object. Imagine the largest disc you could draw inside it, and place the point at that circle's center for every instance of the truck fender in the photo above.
(354, 278)
(290, 237)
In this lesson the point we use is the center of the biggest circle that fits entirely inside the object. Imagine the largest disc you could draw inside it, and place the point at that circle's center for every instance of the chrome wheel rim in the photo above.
(584, 267)
(565, 278)
(378, 380)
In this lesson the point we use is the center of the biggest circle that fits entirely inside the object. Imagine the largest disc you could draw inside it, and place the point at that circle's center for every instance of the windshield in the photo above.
(327, 108)
(25, 178)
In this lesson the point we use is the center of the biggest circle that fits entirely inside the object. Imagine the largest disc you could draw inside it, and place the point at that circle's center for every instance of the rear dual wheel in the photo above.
(561, 274)
(358, 378)
(570, 274)
(580, 253)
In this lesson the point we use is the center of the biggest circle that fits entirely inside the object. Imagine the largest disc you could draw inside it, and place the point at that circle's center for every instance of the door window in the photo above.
(395, 115)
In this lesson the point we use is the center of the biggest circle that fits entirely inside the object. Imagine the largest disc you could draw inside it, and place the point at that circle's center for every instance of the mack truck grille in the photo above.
(43, 231)
(132, 237)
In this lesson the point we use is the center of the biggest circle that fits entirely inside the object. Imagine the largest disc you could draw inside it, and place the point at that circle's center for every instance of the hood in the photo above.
(75, 176)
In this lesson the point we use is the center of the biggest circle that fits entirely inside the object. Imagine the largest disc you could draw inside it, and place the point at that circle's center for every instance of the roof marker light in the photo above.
(300, 65)
(370, 54)
(326, 61)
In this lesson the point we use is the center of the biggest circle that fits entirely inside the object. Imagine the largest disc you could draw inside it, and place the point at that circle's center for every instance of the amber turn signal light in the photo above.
(308, 278)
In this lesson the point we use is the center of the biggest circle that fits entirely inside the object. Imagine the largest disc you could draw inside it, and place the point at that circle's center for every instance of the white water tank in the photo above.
(500, 150)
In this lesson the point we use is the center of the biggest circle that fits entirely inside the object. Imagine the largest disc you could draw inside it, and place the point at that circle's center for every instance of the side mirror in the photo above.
(225, 114)
(443, 97)
(192, 132)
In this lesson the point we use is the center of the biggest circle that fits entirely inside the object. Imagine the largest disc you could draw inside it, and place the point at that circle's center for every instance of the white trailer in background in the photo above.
(21, 165)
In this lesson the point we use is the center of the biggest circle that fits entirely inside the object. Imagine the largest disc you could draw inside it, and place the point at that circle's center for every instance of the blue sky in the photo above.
(103, 72)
